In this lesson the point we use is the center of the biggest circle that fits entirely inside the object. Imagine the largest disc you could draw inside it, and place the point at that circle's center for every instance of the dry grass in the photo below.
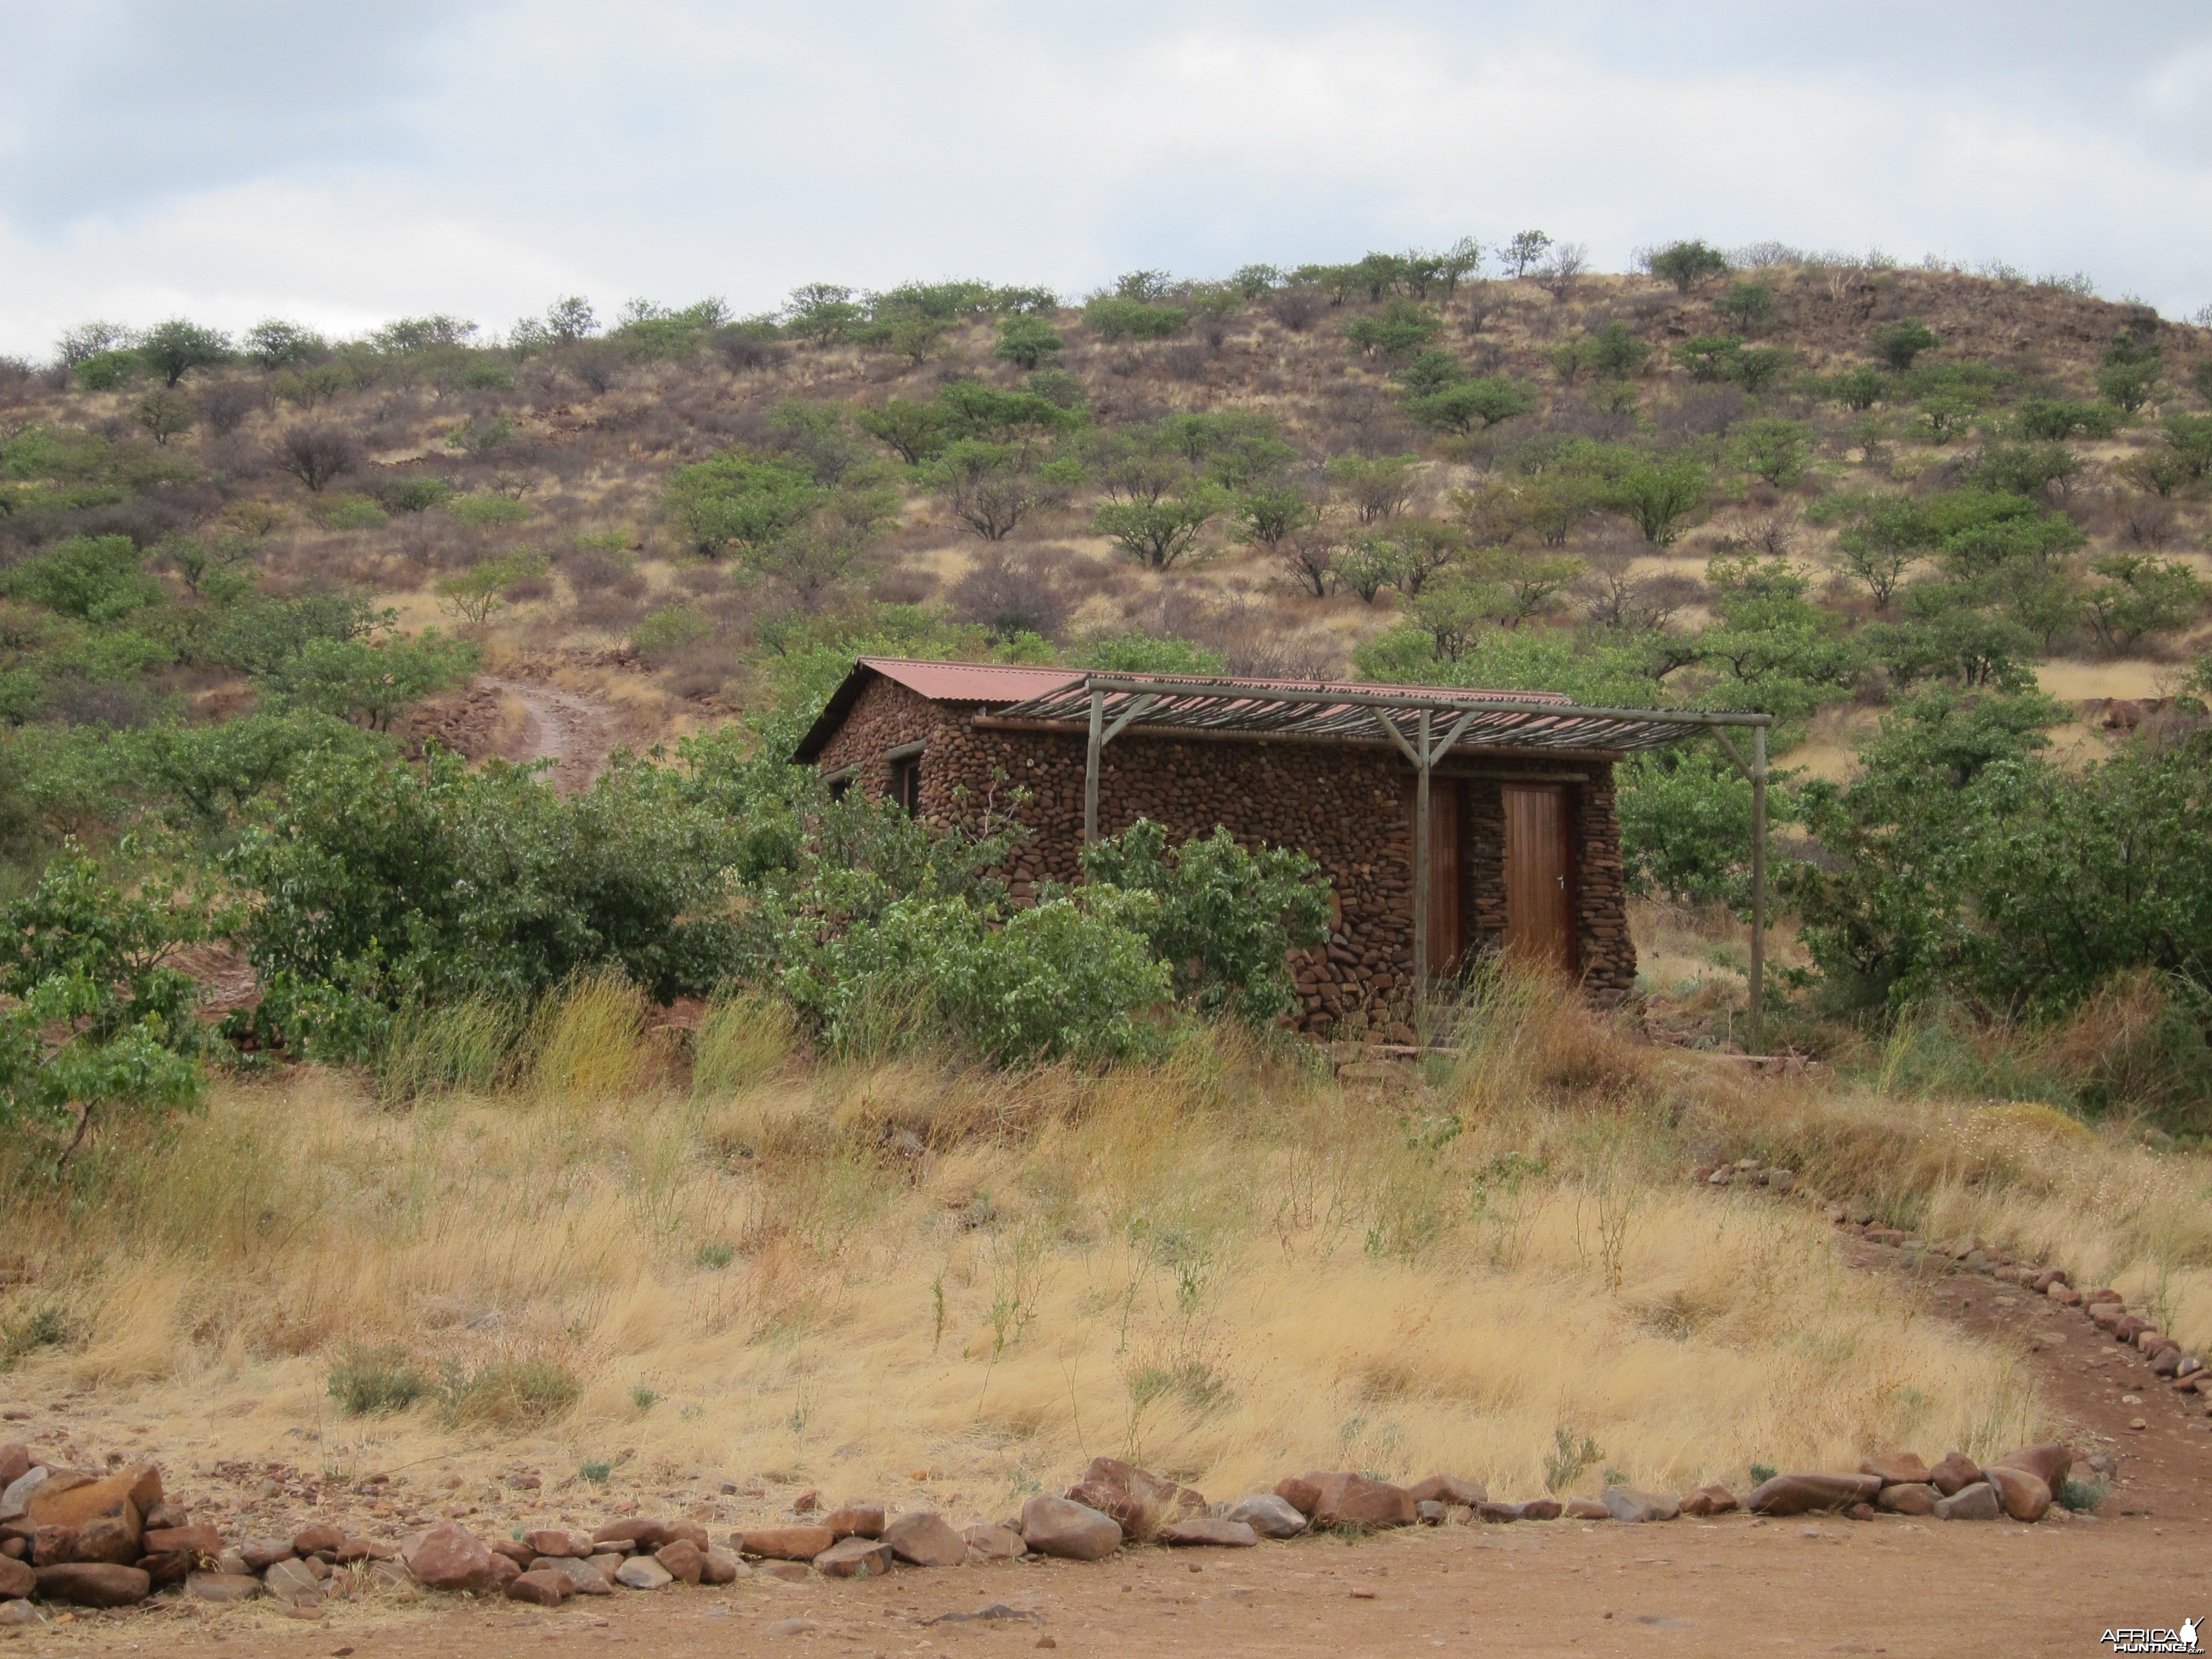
(1226, 1267)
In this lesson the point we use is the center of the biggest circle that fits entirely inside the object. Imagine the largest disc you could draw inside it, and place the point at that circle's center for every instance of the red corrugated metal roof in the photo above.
(970, 682)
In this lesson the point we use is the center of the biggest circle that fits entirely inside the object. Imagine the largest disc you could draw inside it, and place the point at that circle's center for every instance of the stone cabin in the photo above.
(1523, 842)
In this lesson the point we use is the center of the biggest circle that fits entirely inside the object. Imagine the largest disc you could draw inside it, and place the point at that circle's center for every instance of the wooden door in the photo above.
(1540, 900)
(1447, 877)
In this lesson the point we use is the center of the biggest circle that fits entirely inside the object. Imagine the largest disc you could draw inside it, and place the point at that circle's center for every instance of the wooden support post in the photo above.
(1091, 767)
(1759, 890)
(1421, 865)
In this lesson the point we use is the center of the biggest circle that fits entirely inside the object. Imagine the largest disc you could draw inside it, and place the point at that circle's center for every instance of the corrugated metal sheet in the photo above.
(970, 682)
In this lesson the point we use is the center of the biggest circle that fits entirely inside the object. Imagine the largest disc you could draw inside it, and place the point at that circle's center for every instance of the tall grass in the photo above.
(1224, 1263)
(741, 1040)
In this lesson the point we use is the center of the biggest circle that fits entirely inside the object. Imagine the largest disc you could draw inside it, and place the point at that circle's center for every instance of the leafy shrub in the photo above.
(107, 371)
(1399, 330)
(354, 513)
(1898, 344)
(1027, 342)
(1226, 919)
(94, 1021)
(1483, 402)
(669, 631)
(1687, 263)
(415, 495)
(366, 1380)
(1113, 318)
(96, 578)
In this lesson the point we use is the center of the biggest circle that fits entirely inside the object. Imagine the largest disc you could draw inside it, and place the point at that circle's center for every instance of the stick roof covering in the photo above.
(1358, 713)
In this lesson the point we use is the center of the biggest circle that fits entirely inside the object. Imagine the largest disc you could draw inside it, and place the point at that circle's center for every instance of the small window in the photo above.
(839, 785)
(906, 785)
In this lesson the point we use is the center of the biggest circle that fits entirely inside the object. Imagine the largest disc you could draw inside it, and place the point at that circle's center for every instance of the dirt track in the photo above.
(570, 731)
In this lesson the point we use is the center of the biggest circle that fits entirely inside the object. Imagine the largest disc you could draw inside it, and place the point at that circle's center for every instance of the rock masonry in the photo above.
(1350, 809)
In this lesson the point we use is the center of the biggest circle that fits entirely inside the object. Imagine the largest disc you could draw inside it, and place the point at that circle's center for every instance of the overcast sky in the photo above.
(344, 164)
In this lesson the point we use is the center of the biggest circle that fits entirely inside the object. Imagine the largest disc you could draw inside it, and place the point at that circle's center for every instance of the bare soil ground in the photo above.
(1738, 1584)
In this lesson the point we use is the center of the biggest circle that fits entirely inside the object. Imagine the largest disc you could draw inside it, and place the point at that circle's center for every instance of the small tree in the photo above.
(1889, 536)
(2141, 595)
(474, 595)
(1307, 555)
(1482, 402)
(1710, 356)
(164, 416)
(275, 343)
(1858, 389)
(1266, 517)
(1027, 342)
(1773, 449)
(1615, 353)
(1900, 342)
(915, 430)
(1758, 368)
(1563, 272)
(173, 350)
(2130, 385)
(94, 1019)
(1749, 307)
(570, 319)
(1686, 265)
(1158, 533)
(316, 455)
(1524, 252)
(1658, 494)
(1397, 331)
(1378, 487)
(90, 340)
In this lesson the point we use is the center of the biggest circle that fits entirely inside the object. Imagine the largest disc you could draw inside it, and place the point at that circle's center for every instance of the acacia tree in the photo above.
(1524, 252)
(1687, 263)
(173, 350)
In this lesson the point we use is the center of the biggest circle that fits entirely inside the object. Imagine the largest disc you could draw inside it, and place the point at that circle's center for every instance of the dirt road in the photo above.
(570, 731)
(1730, 1586)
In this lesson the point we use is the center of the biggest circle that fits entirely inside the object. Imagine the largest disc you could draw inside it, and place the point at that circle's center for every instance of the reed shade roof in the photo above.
(1359, 714)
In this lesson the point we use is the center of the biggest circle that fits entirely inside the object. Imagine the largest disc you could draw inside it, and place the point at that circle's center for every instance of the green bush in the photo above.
(1898, 344)
(1469, 404)
(96, 578)
(415, 495)
(1225, 919)
(1115, 317)
(108, 371)
(354, 513)
(1027, 342)
(667, 632)
(1399, 330)
(1686, 265)
(508, 1395)
(366, 1380)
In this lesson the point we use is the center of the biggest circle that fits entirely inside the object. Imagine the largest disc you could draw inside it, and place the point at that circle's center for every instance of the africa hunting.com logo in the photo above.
(2155, 1641)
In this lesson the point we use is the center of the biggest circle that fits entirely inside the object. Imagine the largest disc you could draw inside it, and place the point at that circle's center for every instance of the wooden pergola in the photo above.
(1425, 724)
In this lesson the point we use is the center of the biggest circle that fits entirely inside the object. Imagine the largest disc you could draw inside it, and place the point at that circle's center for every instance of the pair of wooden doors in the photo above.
(1539, 876)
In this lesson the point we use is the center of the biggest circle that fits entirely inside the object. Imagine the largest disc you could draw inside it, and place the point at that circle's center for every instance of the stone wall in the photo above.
(1349, 809)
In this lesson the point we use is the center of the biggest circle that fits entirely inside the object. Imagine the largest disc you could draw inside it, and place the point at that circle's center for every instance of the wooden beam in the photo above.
(1516, 754)
(1091, 768)
(1390, 727)
(1421, 867)
(1131, 713)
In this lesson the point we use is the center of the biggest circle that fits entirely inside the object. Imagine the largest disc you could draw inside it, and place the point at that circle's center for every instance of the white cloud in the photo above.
(483, 158)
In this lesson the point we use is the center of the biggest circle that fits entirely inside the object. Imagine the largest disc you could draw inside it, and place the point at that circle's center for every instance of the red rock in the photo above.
(262, 1553)
(790, 1572)
(168, 1569)
(1073, 1531)
(2091, 1297)
(2024, 1497)
(111, 1538)
(990, 1543)
(223, 1587)
(516, 1550)
(289, 1581)
(1627, 1504)
(1301, 1493)
(115, 1498)
(14, 1463)
(926, 1539)
(449, 1557)
(1448, 1489)
(51, 1546)
(806, 1503)
(202, 1541)
(1975, 1502)
(2127, 1327)
(684, 1559)
(94, 1584)
(542, 1589)
(1204, 1530)
(2064, 1295)
(719, 1567)
(1910, 1497)
(1709, 1500)
(1954, 1474)
(2049, 1462)
(1542, 1508)
(1588, 1509)
(1353, 1500)
(17, 1579)
(643, 1534)
(555, 1542)
(584, 1578)
(1897, 1468)
(354, 1551)
(689, 1532)
(316, 1538)
(2050, 1276)
(1502, 1513)
(785, 1543)
(1803, 1494)
(856, 1521)
(505, 1569)
(1137, 1500)
(2166, 1362)
(855, 1555)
